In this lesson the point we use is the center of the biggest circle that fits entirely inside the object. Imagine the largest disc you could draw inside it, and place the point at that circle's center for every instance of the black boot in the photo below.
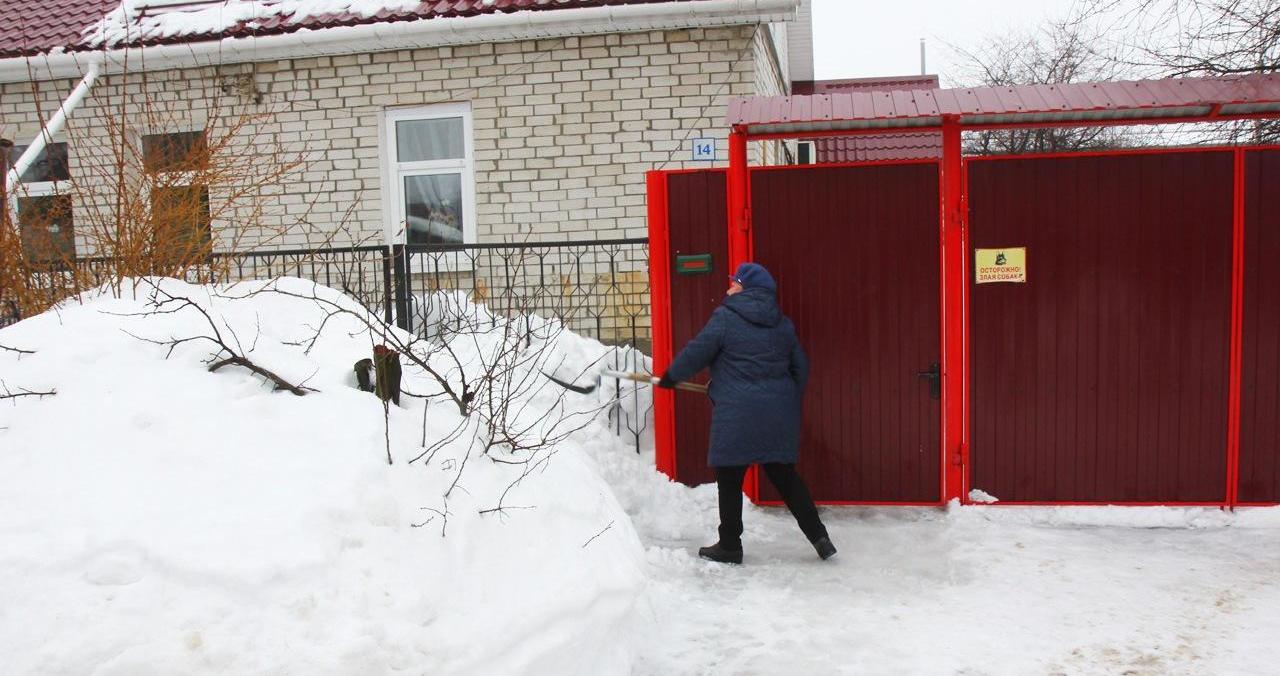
(721, 554)
(825, 549)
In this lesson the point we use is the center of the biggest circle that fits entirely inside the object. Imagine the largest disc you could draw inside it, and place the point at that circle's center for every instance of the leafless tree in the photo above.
(149, 199)
(1061, 51)
(486, 364)
(1186, 38)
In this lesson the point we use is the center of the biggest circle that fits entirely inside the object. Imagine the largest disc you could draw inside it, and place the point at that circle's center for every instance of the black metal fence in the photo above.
(597, 288)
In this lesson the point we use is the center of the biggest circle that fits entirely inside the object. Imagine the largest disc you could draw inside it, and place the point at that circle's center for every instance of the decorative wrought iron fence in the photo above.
(597, 288)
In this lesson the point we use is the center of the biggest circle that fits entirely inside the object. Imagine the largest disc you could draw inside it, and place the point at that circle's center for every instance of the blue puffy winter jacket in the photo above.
(758, 374)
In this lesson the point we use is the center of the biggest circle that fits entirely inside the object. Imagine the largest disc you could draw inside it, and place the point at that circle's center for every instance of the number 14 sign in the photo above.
(704, 150)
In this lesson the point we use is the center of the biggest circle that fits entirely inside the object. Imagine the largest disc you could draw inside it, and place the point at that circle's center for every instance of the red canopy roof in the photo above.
(873, 147)
(1163, 100)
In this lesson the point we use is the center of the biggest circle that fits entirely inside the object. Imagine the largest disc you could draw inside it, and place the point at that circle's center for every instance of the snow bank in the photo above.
(158, 518)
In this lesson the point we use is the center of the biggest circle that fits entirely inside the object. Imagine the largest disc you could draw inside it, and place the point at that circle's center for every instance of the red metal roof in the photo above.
(1164, 100)
(873, 147)
(806, 87)
(37, 26)
(879, 147)
(29, 27)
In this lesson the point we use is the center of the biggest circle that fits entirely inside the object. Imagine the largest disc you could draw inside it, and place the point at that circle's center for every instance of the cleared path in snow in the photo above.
(972, 591)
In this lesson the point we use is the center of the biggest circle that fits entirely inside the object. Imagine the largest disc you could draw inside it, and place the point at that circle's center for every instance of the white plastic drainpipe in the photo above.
(53, 126)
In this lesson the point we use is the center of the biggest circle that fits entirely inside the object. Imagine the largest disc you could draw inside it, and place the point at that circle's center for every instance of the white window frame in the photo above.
(813, 151)
(394, 172)
(23, 189)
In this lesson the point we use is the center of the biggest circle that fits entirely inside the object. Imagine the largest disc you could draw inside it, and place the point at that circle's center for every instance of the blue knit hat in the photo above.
(754, 274)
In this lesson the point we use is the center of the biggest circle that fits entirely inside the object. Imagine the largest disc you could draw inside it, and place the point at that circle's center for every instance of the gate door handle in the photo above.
(934, 376)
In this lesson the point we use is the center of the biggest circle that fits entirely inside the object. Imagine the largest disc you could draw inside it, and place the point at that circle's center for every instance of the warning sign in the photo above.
(1000, 265)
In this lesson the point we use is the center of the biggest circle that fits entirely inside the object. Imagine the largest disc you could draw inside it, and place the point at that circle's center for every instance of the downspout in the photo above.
(53, 126)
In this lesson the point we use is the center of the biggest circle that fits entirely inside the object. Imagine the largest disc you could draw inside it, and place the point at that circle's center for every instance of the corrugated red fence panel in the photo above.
(855, 252)
(697, 218)
(1260, 373)
(1104, 377)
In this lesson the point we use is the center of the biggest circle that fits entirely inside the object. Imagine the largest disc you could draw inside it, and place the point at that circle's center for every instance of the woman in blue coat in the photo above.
(758, 374)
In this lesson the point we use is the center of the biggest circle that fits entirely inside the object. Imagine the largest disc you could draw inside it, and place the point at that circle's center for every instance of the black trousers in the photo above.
(788, 482)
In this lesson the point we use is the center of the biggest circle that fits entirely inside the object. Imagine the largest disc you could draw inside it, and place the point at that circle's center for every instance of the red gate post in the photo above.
(660, 311)
(739, 205)
(954, 281)
(1235, 351)
(738, 195)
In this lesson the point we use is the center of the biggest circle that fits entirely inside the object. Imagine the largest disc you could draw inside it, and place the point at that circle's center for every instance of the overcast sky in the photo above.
(856, 38)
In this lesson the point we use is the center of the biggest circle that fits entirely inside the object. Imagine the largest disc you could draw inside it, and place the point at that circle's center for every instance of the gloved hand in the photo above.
(666, 382)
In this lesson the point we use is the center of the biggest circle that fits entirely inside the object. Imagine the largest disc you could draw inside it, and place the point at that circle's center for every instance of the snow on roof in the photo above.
(29, 27)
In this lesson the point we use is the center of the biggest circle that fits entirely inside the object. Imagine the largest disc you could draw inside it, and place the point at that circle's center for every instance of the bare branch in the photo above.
(280, 383)
(593, 537)
(6, 393)
(161, 299)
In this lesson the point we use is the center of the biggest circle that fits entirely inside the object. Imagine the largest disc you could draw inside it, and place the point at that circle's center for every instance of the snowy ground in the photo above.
(157, 518)
(978, 590)
(919, 592)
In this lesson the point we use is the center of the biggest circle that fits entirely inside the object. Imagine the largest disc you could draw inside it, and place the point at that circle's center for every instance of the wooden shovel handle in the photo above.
(651, 380)
(691, 387)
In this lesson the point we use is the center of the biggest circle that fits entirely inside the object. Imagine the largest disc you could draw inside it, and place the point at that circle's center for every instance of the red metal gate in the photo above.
(1104, 377)
(690, 206)
(1139, 363)
(855, 253)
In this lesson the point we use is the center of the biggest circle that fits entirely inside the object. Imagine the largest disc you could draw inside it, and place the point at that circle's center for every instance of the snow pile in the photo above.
(982, 497)
(159, 518)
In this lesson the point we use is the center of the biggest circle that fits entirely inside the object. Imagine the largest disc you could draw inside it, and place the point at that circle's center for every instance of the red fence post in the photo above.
(1236, 349)
(739, 205)
(664, 404)
(954, 281)
(740, 246)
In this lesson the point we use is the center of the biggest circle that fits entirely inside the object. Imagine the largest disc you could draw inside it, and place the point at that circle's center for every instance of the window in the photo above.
(806, 152)
(180, 229)
(45, 220)
(180, 221)
(48, 234)
(51, 166)
(430, 176)
(181, 151)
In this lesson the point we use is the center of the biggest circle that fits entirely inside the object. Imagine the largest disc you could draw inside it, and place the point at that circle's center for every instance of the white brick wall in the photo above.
(564, 132)
(565, 129)
(769, 80)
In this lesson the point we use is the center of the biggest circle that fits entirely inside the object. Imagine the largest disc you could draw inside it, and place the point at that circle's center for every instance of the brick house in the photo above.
(458, 121)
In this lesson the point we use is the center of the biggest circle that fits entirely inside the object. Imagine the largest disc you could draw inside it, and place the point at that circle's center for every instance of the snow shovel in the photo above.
(623, 375)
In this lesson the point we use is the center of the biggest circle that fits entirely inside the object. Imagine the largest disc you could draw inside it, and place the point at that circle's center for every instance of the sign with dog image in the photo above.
(1000, 265)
